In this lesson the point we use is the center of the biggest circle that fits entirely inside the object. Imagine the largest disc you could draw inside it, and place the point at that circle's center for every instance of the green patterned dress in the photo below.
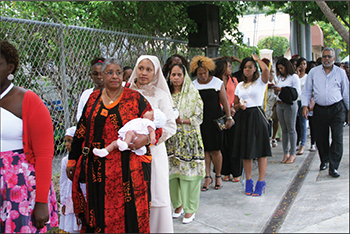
(185, 148)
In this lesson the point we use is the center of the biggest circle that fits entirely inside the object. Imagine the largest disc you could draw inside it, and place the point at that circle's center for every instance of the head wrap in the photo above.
(158, 81)
(71, 131)
(189, 98)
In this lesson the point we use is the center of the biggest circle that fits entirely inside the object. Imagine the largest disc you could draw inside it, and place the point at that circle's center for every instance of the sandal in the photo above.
(226, 178)
(217, 186)
(204, 188)
(236, 179)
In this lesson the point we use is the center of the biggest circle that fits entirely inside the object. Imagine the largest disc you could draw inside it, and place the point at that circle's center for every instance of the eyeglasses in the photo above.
(327, 56)
(110, 73)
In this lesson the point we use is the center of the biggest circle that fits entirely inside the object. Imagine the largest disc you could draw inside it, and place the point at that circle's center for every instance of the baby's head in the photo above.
(157, 116)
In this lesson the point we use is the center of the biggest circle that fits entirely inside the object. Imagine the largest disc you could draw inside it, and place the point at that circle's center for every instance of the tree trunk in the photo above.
(334, 21)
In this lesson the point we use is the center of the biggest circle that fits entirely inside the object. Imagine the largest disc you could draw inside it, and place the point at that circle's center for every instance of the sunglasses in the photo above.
(327, 56)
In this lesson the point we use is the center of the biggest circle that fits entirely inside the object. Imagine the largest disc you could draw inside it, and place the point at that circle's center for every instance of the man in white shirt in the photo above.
(330, 87)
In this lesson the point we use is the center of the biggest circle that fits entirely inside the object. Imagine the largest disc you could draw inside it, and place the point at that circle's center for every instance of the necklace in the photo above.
(6, 91)
(248, 84)
(111, 99)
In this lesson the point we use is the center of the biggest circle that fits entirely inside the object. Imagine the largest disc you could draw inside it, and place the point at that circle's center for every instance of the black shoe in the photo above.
(334, 173)
(323, 166)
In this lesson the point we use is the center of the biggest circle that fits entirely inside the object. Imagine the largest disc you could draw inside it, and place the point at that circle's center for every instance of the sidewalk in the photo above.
(320, 206)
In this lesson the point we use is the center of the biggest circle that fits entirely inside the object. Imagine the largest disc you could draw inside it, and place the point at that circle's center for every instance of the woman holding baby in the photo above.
(118, 194)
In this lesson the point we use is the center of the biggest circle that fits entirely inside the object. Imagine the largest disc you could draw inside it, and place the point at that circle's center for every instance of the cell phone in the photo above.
(271, 85)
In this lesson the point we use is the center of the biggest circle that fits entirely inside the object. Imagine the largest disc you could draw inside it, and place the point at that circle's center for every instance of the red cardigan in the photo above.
(38, 143)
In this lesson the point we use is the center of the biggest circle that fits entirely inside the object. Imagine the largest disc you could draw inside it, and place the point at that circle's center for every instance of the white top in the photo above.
(215, 83)
(291, 81)
(139, 125)
(254, 95)
(302, 83)
(11, 131)
(82, 101)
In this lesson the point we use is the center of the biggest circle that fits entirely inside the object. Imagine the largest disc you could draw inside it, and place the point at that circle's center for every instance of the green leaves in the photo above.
(278, 44)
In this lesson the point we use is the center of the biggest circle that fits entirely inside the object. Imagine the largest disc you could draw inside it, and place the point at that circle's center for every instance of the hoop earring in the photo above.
(10, 77)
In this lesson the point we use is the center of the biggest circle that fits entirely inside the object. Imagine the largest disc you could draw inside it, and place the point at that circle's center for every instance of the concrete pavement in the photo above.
(317, 203)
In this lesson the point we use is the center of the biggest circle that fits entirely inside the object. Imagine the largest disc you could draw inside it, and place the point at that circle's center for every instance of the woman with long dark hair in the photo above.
(288, 82)
(252, 136)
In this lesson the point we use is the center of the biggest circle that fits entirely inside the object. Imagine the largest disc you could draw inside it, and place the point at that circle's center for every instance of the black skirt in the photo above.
(251, 134)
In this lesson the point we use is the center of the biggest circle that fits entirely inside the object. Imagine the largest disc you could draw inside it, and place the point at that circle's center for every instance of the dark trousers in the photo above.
(324, 118)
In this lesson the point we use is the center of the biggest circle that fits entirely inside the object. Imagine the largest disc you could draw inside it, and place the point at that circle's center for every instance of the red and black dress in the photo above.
(117, 186)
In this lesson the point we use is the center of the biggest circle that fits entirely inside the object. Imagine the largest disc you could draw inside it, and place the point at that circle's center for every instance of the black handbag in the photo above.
(220, 122)
(86, 149)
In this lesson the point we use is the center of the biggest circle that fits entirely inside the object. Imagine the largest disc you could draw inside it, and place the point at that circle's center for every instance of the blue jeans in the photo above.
(301, 126)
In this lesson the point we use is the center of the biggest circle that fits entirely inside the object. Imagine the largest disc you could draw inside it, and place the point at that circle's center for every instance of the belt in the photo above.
(326, 107)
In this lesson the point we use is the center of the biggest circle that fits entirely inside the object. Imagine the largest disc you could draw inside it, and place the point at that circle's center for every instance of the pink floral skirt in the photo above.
(17, 198)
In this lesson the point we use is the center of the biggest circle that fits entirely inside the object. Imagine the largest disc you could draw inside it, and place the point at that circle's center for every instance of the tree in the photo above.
(163, 18)
(333, 39)
(309, 12)
(278, 44)
(333, 20)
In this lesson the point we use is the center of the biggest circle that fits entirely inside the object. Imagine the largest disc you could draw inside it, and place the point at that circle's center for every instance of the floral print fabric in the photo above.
(185, 148)
(17, 199)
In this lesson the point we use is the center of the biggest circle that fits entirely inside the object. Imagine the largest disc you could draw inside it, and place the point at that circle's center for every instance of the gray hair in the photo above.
(110, 61)
(329, 49)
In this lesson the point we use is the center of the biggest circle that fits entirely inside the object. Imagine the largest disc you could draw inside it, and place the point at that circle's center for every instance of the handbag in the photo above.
(86, 149)
(220, 122)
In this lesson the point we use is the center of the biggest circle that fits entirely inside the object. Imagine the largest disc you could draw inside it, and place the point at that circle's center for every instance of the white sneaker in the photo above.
(188, 220)
(177, 215)
(274, 143)
(313, 148)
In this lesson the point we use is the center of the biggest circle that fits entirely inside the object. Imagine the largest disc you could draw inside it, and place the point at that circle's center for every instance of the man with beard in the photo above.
(330, 88)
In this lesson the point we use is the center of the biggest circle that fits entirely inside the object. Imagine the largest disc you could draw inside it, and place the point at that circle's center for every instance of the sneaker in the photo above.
(274, 143)
(313, 148)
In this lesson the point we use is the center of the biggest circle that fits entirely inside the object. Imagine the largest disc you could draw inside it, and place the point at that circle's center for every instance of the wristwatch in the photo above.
(230, 117)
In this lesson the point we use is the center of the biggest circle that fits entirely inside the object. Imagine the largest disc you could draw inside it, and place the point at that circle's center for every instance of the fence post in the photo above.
(165, 56)
(63, 78)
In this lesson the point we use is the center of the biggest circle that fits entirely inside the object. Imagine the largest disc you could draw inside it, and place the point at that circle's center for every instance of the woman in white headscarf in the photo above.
(148, 79)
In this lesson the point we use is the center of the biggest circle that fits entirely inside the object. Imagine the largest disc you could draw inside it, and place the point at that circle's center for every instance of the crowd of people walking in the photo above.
(199, 113)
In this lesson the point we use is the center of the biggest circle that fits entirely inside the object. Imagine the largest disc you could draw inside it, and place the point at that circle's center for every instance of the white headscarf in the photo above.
(158, 80)
(71, 131)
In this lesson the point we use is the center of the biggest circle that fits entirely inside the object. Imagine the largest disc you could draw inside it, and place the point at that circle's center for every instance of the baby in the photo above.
(146, 125)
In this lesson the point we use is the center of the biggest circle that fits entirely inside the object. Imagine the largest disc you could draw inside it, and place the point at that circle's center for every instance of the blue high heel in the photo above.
(259, 188)
(249, 187)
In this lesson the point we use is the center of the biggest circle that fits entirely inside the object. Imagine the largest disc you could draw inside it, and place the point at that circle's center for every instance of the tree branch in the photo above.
(334, 21)
(341, 17)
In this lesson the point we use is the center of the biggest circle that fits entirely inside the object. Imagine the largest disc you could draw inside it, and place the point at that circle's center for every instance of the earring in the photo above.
(10, 77)
(171, 83)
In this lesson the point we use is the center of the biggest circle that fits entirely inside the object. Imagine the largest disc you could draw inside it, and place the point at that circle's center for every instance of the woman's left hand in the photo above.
(40, 215)
(138, 141)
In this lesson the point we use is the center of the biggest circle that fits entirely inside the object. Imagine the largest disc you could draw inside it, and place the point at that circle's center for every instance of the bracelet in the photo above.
(230, 117)
(182, 122)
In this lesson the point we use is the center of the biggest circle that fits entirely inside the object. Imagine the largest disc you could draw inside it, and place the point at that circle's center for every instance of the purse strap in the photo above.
(258, 107)
(86, 149)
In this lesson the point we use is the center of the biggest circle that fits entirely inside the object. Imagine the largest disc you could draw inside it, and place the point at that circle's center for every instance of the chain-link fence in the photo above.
(55, 61)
